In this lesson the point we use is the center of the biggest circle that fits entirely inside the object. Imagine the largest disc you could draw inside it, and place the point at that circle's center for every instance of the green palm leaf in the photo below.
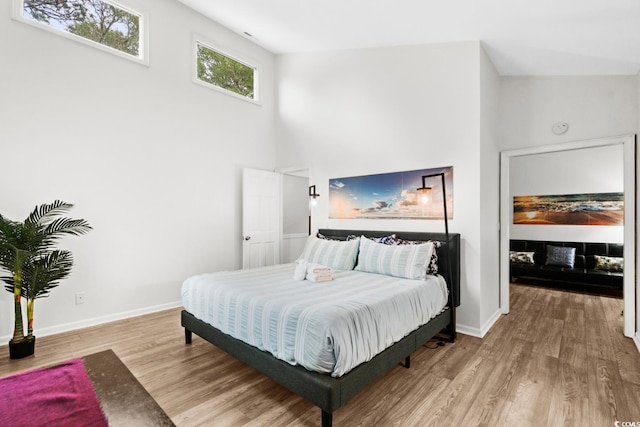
(41, 214)
(45, 272)
(70, 226)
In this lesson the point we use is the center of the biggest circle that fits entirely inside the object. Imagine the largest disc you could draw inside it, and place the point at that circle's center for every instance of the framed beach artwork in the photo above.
(390, 196)
(570, 209)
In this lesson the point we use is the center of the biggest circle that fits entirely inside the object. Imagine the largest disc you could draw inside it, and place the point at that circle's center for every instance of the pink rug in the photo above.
(60, 396)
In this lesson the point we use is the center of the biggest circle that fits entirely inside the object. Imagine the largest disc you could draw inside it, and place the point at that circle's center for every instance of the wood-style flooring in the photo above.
(559, 358)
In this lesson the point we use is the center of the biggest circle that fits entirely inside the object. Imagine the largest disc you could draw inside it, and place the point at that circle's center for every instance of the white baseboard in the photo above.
(66, 327)
(636, 340)
(489, 323)
(467, 330)
(479, 333)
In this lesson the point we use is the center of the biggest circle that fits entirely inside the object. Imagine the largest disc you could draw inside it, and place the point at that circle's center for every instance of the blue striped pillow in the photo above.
(336, 254)
(407, 261)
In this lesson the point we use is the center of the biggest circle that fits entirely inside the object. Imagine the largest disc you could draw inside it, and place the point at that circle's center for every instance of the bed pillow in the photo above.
(521, 257)
(337, 254)
(322, 236)
(432, 268)
(349, 237)
(392, 239)
(386, 240)
(609, 263)
(561, 256)
(406, 261)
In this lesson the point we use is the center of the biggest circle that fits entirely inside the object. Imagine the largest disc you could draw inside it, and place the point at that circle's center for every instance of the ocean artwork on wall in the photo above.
(391, 196)
(570, 209)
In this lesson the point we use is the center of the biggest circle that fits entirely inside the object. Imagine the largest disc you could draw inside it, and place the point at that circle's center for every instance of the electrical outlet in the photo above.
(79, 298)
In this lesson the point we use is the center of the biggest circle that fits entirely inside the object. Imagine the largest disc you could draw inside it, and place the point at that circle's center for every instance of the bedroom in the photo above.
(154, 161)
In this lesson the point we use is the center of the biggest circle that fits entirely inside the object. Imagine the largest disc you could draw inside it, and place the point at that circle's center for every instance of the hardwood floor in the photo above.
(558, 359)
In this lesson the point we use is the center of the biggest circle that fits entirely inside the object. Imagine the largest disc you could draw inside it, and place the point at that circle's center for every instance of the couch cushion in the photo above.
(561, 256)
(608, 263)
(522, 257)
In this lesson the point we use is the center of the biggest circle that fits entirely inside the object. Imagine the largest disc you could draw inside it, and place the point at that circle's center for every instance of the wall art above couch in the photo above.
(570, 209)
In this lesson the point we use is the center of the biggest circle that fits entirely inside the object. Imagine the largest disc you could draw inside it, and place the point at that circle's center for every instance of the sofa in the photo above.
(593, 264)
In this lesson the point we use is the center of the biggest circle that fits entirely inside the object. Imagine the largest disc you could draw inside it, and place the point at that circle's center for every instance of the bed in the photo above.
(329, 390)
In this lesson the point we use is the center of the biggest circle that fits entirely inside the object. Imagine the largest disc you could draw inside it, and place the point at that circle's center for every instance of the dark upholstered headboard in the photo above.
(444, 255)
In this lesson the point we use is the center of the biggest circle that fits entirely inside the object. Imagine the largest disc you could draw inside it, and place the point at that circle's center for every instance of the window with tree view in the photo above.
(100, 21)
(224, 72)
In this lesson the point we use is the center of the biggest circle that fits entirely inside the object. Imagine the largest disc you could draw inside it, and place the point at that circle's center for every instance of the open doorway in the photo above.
(295, 213)
(510, 159)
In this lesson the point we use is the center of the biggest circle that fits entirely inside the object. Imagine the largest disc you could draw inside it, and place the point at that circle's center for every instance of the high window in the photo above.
(220, 71)
(101, 23)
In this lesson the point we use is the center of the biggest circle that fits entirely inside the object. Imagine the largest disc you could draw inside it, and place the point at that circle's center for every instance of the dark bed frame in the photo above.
(323, 390)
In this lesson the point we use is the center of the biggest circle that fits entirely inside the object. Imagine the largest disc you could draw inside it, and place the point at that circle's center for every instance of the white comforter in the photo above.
(325, 327)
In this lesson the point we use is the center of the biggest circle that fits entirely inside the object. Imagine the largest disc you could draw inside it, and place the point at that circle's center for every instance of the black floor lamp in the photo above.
(312, 202)
(424, 190)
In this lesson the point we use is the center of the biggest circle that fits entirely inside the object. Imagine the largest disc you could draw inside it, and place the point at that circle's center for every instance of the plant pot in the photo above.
(20, 349)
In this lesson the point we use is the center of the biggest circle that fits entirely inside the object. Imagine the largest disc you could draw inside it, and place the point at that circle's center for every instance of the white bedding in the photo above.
(328, 327)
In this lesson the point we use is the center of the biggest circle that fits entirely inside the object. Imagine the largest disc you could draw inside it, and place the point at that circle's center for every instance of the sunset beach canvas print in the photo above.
(390, 196)
(570, 209)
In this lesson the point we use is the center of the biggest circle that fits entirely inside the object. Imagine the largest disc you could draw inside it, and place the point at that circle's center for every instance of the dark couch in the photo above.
(583, 271)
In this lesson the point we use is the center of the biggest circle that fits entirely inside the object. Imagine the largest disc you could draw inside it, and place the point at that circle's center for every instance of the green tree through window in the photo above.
(224, 72)
(94, 20)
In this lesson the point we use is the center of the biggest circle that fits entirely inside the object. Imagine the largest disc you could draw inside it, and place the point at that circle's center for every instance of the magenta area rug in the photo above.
(60, 396)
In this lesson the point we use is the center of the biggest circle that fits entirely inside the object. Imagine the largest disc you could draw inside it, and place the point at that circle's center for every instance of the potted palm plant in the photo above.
(28, 252)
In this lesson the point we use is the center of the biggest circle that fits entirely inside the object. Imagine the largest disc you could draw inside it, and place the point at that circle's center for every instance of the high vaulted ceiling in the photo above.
(533, 37)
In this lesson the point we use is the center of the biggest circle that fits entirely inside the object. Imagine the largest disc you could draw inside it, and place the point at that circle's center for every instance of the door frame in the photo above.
(301, 172)
(629, 187)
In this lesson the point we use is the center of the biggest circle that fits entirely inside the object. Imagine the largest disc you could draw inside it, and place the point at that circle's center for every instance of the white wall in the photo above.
(489, 193)
(637, 339)
(295, 204)
(295, 216)
(371, 111)
(593, 106)
(150, 159)
(590, 170)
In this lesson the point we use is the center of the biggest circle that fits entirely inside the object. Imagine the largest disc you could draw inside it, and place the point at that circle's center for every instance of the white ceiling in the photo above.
(533, 37)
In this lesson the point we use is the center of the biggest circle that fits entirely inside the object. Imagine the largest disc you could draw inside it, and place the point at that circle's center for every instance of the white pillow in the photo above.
(407, 261)
(336, 254)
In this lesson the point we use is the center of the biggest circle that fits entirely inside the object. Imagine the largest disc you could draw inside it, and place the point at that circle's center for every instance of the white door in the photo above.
(261, 218)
